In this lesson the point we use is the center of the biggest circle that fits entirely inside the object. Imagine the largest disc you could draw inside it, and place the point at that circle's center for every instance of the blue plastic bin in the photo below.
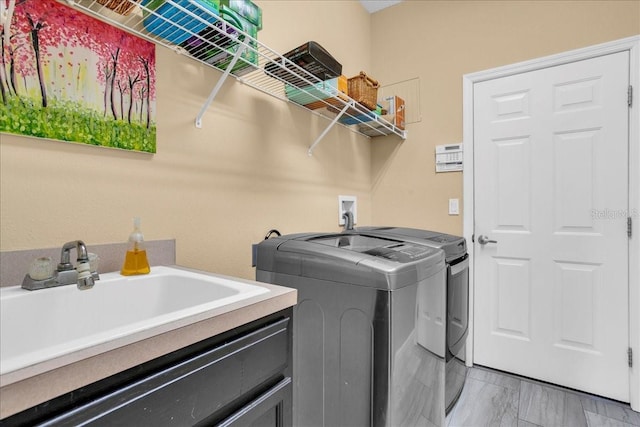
(166, 25)
(350, 120)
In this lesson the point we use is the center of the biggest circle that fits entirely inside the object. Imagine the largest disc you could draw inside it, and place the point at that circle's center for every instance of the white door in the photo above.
(551, 188)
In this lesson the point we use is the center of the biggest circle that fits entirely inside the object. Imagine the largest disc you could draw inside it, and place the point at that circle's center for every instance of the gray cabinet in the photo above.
(270, 409)
(241, 378)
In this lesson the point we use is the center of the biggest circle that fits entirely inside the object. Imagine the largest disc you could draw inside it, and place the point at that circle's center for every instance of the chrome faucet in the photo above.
(65, 273)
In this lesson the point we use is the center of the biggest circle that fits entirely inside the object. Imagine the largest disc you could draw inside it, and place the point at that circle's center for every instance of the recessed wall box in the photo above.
(347, 204)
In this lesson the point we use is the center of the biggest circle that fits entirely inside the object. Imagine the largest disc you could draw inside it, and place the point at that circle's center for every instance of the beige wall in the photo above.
(218, 189)
(215, 190)
(439, 42)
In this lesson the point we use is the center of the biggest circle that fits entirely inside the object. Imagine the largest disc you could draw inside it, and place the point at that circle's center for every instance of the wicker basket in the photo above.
(123, 7)
(364, 90)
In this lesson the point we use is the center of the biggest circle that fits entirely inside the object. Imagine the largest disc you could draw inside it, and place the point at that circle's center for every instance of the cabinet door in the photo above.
(270, 409)
(196, 389)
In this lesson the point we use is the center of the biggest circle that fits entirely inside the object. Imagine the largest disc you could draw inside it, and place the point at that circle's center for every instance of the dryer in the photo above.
(457, 298)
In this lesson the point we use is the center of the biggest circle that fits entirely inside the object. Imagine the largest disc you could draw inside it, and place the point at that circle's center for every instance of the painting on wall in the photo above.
(67, 76)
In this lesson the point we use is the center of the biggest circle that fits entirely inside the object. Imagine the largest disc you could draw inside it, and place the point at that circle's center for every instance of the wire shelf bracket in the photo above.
(219, 84)
(328, 128)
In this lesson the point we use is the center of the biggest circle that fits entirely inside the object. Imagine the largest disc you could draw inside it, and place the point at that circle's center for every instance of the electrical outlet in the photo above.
(347, 204)
(454, 207)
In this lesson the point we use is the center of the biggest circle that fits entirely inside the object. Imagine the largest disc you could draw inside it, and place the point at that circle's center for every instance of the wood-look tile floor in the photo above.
(492, 398)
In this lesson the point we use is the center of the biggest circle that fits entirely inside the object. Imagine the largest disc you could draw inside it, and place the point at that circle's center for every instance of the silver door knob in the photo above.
(483, 240)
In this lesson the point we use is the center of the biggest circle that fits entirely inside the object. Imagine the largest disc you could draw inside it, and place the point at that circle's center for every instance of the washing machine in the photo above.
(457, 298)
(357, 359)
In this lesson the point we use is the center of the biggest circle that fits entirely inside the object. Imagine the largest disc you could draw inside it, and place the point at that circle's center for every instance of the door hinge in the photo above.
(630, 96)
(629, 226)
(473, 238)
(630, 355)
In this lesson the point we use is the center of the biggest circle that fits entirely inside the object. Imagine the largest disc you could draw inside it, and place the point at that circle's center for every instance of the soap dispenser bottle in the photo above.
(135, 261)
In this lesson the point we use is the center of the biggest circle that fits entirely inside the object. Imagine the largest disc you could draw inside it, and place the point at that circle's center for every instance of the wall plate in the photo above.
(347, 204)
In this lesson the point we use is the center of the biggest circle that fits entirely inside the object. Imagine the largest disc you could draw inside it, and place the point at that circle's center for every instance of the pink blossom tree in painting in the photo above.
(65, 75)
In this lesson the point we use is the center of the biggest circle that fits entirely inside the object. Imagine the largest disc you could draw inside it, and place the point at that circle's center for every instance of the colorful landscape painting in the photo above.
(67, 76)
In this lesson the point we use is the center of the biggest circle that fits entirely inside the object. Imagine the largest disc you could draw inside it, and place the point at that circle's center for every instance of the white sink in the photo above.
(38, 326)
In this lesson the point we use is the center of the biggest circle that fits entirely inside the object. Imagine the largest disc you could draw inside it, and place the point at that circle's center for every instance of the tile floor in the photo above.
(492, 398)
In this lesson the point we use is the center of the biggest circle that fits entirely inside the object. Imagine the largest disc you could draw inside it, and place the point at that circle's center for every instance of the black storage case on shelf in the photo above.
(311, 57)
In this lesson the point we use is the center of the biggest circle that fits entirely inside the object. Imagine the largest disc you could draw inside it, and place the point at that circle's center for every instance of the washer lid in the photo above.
(453, 246)
(397, 251)
(350, 258)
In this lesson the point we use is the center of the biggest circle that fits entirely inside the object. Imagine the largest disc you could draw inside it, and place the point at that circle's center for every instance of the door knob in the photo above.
(483, 240)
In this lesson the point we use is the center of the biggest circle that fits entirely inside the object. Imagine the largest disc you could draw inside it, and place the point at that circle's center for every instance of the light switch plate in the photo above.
(454, 207)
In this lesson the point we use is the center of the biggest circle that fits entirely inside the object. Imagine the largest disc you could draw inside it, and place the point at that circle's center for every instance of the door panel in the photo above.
(512, 310)
(576, 296)
(513, 182)
(551, 155)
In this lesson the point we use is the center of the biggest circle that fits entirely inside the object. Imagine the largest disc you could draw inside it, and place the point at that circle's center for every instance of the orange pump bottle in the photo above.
(135, 261)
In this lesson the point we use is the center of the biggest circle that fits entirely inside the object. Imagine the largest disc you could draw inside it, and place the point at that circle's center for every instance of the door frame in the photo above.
(631, 45)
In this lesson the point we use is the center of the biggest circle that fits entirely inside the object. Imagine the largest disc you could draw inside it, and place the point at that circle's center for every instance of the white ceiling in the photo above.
(376, 5)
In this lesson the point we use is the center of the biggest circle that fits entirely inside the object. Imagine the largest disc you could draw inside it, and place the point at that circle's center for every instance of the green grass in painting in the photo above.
(71, 121)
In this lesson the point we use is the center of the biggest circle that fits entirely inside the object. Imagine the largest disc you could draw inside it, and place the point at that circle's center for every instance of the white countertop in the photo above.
(39, 383)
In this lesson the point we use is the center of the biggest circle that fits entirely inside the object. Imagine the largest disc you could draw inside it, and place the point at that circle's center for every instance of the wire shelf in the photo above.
(193, 30)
